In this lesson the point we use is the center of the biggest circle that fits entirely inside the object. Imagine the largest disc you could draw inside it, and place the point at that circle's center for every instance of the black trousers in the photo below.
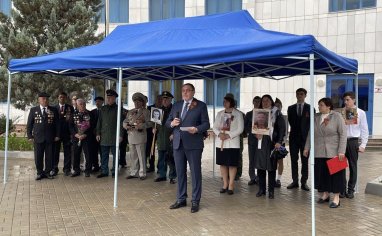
(296, 145)
(122, 151)
(77, 149)
(352, 156)
(39, 150)
(151, 158)
(66, 143)
(262, 174)
(94, 152)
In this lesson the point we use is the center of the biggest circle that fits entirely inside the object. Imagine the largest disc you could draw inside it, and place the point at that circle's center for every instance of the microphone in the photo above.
(177, 115)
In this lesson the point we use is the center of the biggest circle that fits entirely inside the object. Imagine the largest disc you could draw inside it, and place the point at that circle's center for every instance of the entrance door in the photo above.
(336, 85)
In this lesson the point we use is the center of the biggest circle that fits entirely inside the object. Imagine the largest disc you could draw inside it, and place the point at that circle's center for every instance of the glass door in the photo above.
(338, 84)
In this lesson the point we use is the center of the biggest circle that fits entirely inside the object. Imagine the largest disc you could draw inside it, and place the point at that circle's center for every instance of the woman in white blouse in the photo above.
(228, 126)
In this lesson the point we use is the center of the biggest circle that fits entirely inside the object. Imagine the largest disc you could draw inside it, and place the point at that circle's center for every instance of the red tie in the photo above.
(62, 109)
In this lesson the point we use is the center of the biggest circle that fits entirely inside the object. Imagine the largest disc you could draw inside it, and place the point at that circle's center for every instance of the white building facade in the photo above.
(352, 28)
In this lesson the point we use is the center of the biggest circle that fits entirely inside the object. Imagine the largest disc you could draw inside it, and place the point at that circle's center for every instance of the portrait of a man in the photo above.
(261, 121)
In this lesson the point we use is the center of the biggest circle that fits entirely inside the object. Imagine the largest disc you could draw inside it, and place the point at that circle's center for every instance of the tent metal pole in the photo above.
(311, 154)
(357, 104)
(7, 128)
(214, 95)
(117, 137)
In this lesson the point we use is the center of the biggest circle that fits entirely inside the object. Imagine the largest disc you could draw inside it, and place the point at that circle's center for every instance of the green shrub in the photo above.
(16, 143)
(3, 120)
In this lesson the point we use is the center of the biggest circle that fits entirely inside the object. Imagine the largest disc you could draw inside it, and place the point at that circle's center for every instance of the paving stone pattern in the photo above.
(84, 206)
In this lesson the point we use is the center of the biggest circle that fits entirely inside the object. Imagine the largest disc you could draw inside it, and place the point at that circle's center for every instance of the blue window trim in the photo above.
(360, 6)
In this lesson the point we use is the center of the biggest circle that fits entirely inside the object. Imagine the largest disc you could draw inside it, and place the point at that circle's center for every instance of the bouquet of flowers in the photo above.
(82, 126)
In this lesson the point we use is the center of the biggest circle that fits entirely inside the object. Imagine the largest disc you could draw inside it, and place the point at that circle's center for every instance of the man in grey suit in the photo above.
(189, 120)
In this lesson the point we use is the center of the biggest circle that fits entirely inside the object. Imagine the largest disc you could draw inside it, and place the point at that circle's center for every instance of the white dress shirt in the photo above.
(359, 130)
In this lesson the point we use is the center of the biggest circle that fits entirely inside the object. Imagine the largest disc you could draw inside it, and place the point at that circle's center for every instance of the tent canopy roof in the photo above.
(228, 45)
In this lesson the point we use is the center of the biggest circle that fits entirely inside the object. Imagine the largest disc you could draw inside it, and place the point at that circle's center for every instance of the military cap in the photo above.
(43, 95)
(99, 98)
(139, 96)
(111, 92)
(166, 94)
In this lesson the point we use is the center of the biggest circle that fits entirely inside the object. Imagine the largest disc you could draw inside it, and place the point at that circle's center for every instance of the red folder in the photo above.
(336, 165)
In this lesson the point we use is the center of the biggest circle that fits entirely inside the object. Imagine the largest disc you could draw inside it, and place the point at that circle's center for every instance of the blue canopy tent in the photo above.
(230, 45)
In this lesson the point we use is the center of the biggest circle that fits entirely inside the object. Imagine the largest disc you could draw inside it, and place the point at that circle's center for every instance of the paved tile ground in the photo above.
(84, 206)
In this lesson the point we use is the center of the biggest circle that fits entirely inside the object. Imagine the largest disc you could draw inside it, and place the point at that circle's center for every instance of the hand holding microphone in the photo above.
(176, 120)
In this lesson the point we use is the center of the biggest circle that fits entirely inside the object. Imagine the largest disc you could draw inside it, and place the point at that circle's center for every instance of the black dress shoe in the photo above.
(102, 175)
(223, 190)
(305, 187)
(194, 207)
(160, 179)
(172, 181)
(67, 173)
(230, 192)
(39, 177)
(334, 205)
(177, 205)
(75, 174)
(260, 193)
(320, 200)
(142, 177)
(252, 182)
(278, 184)
(131, 177)
(292, 185)
(350, 195)
(342, 195)
(49, 176)
(271, 195)
(87, 174)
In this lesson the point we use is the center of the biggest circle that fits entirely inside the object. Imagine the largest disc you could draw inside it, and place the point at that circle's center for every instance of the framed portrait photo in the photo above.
(350, 115)
(261, 121)
(225, 122)
(156, 115)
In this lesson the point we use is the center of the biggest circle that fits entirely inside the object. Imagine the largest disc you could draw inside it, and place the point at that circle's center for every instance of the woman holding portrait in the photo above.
(264, 145)
(228, 142)
(329, 141)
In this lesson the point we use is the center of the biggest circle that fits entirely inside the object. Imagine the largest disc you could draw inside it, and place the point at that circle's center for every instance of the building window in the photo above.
(221, 6)
(172, 86)
(346, 5)
(165, 9)
(159, 10)
(223, 86)
(119, 11)
(5, 6)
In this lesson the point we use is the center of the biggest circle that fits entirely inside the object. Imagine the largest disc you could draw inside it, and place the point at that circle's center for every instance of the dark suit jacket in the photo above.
(40, 128)
(196, 116)
(64, 120)
(248, 127)
(94, 119)
(295, 124)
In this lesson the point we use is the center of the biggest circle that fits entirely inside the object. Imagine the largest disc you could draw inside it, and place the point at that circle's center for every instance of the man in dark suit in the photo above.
(43, 130)
(65, 112)
(299, 121)
(96, 148)
(189, 120)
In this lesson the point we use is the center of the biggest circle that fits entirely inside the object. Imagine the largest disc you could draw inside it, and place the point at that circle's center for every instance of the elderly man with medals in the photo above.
(80, 131)
(136, 122)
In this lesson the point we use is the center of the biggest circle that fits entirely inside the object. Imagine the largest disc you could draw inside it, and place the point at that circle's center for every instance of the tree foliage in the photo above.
(45, 26)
